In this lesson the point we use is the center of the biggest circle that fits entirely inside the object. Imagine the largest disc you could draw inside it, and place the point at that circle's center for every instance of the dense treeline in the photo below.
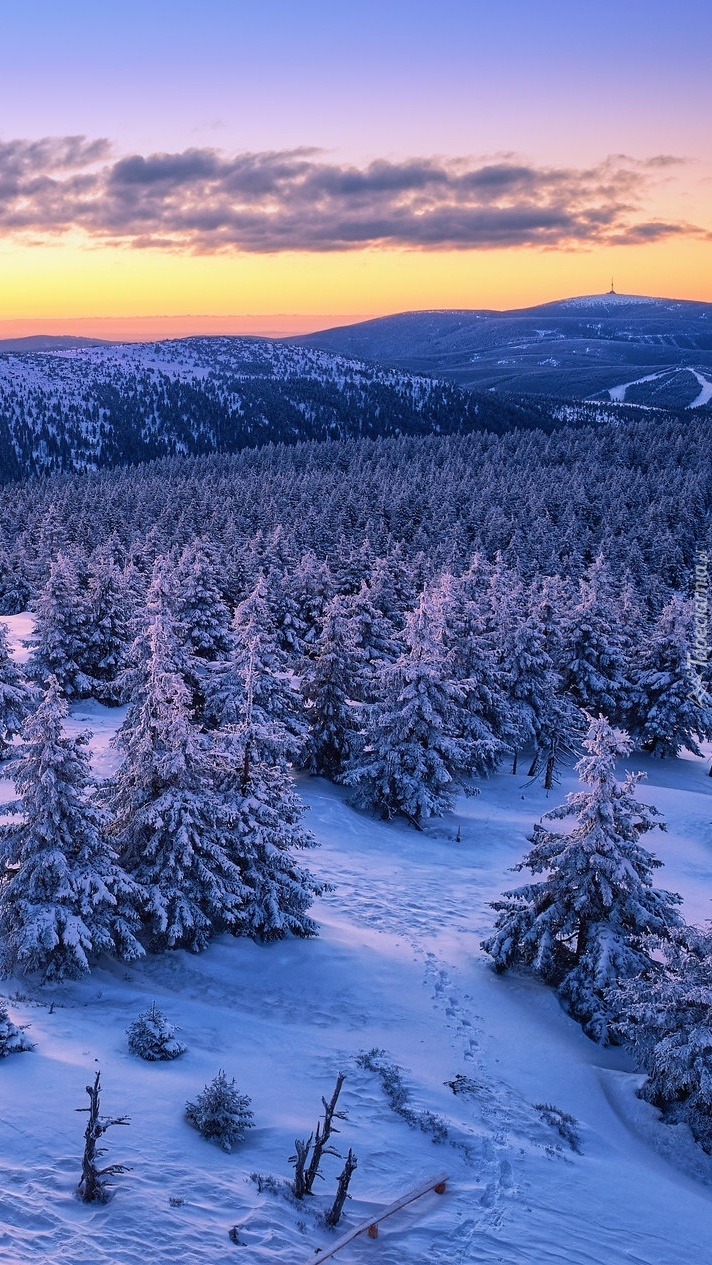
(548, 504)
(402, 617)
(107, 406)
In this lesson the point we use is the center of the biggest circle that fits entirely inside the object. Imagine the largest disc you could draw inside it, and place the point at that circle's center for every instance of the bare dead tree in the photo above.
(322, 1136)
(94, 1184)
(299, 1160)
(306, 1169)
(333, 1216)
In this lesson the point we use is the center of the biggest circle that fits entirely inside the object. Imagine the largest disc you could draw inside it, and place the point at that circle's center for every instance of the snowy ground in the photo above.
(397, 966)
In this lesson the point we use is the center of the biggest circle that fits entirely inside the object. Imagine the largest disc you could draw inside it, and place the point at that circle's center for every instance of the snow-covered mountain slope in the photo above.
(397, 967)
(118, 403)
(579, 347)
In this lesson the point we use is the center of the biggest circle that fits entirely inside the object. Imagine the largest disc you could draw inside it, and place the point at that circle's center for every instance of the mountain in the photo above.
(631, 348)
(47, 342)
(78, 408)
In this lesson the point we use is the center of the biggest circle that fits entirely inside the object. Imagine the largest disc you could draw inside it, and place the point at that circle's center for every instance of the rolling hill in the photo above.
(645, 351)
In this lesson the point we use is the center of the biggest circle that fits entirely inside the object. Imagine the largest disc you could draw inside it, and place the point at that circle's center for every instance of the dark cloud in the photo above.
(207, 202)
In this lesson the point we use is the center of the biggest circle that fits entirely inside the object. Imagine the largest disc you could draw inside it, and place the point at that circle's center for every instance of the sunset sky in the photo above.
(223, 158)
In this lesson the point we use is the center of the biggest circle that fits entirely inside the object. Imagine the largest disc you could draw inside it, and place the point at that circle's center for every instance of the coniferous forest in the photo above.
(406, 618)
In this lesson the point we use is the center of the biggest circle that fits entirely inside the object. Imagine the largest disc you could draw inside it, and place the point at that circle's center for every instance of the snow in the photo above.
(397, 966)
(705, 390)
(19, 629)
(618, 393)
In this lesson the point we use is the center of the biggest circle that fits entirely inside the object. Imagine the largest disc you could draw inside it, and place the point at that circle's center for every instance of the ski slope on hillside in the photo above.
(398, 967)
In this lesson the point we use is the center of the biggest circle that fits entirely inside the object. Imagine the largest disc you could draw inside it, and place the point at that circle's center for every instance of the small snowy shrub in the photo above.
(566, 1125)
(399, 1097)
(152, 1037)
(220, 1113)
(12, 1038)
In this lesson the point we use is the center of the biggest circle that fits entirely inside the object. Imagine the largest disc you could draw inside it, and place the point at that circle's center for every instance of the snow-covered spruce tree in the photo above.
(221, 1113)
(472, 663)
(202, 619)
(326, 687)
(375, 641)
(540, 713)
(12, 1036)
(669, 711)
(263, 832)
(258, 667)
(14, 588)
(595, 917)
(62, 631)
(66, 899)
(667, 1019)
(413, 757)
(16, 696)
(594, 672)
(165, 812)
(109, 619)
(153, 1038)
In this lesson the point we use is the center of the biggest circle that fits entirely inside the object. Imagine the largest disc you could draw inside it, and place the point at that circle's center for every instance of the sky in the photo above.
(284, 165)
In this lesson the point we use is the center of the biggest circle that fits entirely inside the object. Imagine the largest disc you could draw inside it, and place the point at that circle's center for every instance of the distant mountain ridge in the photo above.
(643, 350)
(111, 404)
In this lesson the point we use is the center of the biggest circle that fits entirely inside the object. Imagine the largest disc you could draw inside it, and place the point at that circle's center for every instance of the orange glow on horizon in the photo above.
(116, 292)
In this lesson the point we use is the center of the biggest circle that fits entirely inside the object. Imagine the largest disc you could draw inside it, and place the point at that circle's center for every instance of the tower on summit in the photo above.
(611, 291)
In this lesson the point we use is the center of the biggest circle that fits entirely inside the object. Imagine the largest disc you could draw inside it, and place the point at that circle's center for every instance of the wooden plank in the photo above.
(370, 1227)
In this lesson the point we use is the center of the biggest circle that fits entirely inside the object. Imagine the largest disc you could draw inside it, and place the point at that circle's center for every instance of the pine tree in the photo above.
(16, 696)
(153, 1038)
(67, 899)
(670, 708)
(12, 1036)
(62, 631)
(413, 757)
(165, 811)
(109, 616)
(472, 662)
(258, 667)
(595, 917)
(375, 641)
(594, 652)
(326, 687)
(667, 1020)
(201, 617)
(220, 1113)
(263, 832)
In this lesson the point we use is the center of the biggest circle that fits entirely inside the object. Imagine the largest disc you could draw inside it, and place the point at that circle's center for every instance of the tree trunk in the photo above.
(333, 1216)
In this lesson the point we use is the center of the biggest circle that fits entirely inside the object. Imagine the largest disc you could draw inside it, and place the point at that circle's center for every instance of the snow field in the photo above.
(397, 966)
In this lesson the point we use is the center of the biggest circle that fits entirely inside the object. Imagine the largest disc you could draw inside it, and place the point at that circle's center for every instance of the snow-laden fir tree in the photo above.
(12, 1035)
(14, 588)
(471, 661)
(62, 631)
(264, 833)
(413, 757)
(109, 620)
(595, 917)
(221, 1113)
(257, 665)
(165, 815)
(201, 616)
(375, 641)
(668, 1020)
(153, 1038)
(66, 899)
(594, 670)
(16, 696)
(310, 588)
(540, 714)
(670, 708)
(327, 690)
